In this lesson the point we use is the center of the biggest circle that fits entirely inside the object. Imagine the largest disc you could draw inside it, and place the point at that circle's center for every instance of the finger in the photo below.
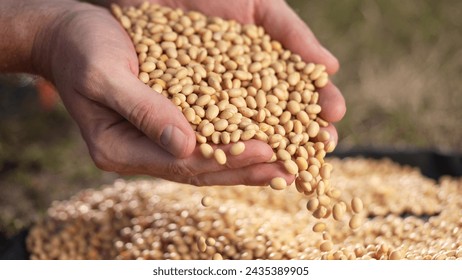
(126, 150)
(254, 175)
(116, 145)
(145, 158)
(153, 114)
(332, 103)
(255, 152)
(284, 25)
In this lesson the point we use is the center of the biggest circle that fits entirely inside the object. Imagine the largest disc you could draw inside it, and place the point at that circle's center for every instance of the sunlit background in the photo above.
(401, 68)
(401, 63)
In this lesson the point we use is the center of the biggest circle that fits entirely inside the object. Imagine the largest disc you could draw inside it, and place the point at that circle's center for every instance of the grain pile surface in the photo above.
(405, 216)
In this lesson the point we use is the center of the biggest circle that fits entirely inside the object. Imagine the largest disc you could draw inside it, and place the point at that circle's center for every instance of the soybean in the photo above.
(356, 205)
(220, 156)
(278, 183)
(206, 150)
(237, 148)
(206, 201)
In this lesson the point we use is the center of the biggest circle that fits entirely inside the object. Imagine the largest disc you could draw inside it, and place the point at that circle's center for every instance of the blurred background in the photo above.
(401, 69)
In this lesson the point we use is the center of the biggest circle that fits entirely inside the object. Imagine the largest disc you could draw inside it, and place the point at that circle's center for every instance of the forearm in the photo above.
(20, 22)
(23, 28)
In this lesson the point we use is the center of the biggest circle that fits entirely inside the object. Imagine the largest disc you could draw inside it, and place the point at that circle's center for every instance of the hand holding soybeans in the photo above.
(130, 129)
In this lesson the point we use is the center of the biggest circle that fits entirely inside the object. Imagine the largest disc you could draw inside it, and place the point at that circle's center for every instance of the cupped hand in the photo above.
(129, 128)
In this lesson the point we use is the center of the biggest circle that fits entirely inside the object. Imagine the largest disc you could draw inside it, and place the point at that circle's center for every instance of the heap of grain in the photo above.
(233, 83)
(408, 216)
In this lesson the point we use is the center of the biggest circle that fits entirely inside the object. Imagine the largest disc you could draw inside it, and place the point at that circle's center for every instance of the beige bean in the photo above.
(278, 183)
(356, 205)
(189, 114)
(293, 107)
(126, 22)
(326, 246)
(175, 89)
(207, 129)
(301, 163)
(313, 109)
(148, 66)
(305, 176)
(221, 125)
(203, 100)
(312, 204)
(321, 81)
(248, 134)
(217, 257)
(236, 135)
(212, 112)
(237, 149)
(283, 155)
(326, 170)
(324, 200)
(293, 78)
(266, 84)
(220, 156)
(201, 245)
(144, 77)
(291, 167)
(207, 90)
(319, 227)
(395, 255)
(206, 150)
(323, 136)
(338, 212)
(355, 222)
(225, 137)
(206, 201)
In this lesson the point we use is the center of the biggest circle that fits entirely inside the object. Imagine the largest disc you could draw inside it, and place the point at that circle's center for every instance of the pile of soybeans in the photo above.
(406, 216)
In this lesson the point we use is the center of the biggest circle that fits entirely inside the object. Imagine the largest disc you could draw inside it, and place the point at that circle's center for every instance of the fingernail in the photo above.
(173, 140)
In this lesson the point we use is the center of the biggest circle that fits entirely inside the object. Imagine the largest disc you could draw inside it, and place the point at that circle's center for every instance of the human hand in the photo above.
(127, 126)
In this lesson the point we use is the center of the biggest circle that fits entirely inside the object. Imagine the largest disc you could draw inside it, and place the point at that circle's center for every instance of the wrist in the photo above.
(56, 15)
(21, 22)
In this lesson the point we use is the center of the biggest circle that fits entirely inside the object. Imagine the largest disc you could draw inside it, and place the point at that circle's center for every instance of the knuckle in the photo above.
(102, 156)
(141, 115)
(101, 160)
(179, 168)
(196, 181)
(92, 80)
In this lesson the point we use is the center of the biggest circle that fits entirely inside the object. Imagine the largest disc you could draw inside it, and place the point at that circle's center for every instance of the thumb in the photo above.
(284, 25)
(153, 114)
